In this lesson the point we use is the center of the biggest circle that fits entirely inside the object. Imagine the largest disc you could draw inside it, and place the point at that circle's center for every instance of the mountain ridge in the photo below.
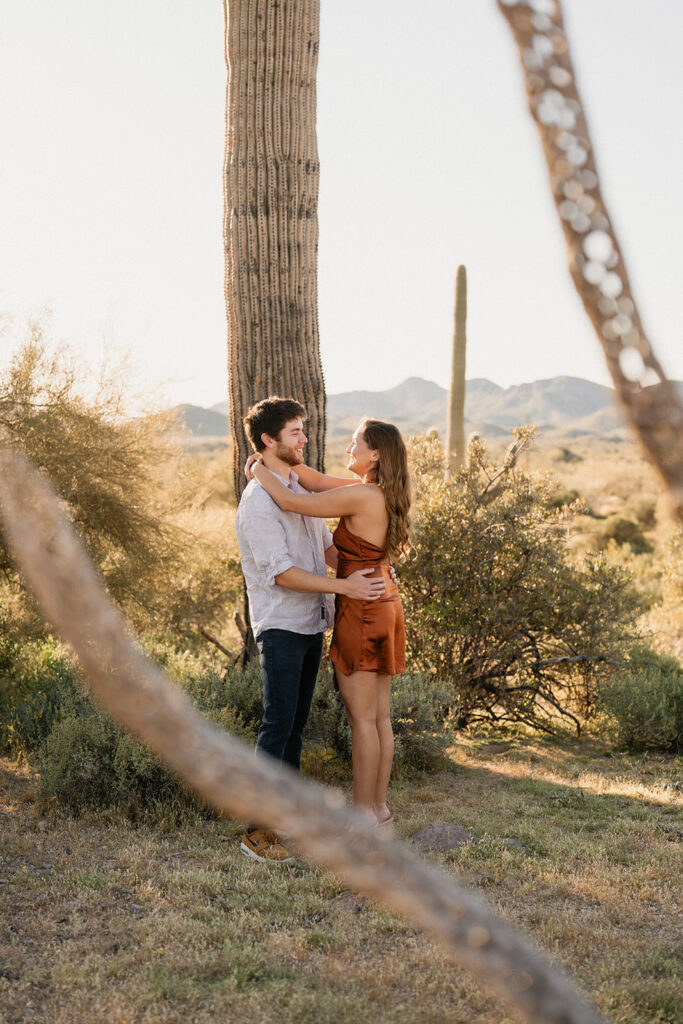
(417, 404)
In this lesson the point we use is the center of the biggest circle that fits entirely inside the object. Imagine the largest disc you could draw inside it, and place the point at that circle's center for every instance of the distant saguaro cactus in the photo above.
(455, 427)
(270, 226)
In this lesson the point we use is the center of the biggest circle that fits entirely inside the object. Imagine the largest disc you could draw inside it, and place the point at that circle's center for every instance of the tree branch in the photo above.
(212, 640)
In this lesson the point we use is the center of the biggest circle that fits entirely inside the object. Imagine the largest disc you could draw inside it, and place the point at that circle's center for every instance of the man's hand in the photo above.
(392, 573)
(360, 588)
(254, 457)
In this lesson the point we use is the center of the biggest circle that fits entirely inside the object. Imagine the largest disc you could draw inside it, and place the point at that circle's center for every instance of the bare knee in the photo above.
(361, 720)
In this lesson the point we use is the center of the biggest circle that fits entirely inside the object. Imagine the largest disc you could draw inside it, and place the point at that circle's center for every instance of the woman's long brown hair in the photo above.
(392, 477)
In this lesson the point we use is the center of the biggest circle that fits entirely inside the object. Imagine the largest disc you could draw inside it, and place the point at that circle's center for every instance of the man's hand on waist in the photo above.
(360, 588)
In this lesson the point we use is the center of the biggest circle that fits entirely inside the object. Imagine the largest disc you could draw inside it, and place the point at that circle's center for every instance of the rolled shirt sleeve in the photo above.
(267, 540)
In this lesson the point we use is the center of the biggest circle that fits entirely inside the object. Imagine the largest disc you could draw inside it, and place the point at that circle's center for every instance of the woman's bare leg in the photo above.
(386, 748)
(359, 693)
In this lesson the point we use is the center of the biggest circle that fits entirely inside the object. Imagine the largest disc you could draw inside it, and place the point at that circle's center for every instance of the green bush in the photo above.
(88, 760)
(643, 704)
(496, 605)
(38, 686)
(420, 707)
(84, 759)
(419, 712)
(76, 761)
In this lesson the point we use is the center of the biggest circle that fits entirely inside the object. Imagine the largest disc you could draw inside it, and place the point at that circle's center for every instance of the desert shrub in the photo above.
(105, 466)
(643, 703)
(672, 577)
(76, 760)
(85, 759)
(565, 455)
(495, 605)
(38, 684)
(420, 707)
(563, 498)
(644, 511)
(666, 619)
(129, 490)
(235, 693)
(419, 710)
(622, 531)
(82, 756)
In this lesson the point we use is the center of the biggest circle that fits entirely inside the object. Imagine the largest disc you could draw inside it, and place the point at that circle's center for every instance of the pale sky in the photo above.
(112, 124)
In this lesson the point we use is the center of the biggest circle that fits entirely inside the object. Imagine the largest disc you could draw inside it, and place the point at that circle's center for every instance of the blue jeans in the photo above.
(289, 664)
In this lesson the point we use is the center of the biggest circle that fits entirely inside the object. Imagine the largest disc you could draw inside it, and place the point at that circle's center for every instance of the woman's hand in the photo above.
(254, 457)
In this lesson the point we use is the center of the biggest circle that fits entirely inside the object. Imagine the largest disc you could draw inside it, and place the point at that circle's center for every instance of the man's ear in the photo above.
(267, 440)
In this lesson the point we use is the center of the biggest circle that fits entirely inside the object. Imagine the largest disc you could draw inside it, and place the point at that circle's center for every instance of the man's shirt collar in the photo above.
(293, 478)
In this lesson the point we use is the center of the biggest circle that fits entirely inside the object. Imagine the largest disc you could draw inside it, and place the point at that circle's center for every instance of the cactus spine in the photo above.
(455, 428)
(270, 223)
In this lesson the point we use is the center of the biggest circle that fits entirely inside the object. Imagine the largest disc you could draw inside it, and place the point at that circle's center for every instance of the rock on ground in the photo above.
(442, 836)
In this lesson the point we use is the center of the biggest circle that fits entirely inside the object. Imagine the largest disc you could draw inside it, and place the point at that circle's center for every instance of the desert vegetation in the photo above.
(523, 605)
(165, 552)
(542, 706)
(525, 620)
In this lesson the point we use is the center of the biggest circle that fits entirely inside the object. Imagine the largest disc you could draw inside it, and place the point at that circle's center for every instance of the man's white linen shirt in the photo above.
(272, 541)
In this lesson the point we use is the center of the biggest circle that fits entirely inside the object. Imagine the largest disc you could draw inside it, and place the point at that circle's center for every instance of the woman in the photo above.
(368, 644)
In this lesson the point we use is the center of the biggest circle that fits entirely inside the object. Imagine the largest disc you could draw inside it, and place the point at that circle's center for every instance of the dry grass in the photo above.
(615, 479)
(107, 921)
(607, 473)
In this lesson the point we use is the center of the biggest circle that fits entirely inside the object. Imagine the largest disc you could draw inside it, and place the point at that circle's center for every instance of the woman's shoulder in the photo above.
(372, 497)
(374, 491)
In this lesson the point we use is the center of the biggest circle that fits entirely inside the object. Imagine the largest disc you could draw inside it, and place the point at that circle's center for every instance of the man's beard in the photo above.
(289, 455)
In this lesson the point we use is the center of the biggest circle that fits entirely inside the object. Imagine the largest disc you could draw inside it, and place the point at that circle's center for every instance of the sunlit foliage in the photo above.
(128, 489)
(494, 601)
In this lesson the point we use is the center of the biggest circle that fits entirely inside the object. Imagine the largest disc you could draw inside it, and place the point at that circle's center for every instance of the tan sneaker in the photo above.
(264, 844)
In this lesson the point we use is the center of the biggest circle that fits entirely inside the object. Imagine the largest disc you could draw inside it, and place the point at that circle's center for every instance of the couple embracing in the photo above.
(285, 547)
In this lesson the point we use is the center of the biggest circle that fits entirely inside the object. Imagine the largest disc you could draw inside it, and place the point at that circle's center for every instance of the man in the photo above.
(284, 557)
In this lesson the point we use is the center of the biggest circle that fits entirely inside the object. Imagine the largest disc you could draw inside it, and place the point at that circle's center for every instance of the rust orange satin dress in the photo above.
(369, 636)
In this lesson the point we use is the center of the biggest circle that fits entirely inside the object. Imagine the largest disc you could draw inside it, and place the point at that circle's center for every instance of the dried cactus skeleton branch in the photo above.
(596, 262)
(225, 773)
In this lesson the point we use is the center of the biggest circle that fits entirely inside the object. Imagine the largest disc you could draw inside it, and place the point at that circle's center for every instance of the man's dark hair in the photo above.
(269, 417)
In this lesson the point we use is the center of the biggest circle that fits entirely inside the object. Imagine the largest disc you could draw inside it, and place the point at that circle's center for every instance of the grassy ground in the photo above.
(105, 920)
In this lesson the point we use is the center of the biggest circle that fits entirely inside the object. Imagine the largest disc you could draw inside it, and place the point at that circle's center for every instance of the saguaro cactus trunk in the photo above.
(270, 215)
(455, 427)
